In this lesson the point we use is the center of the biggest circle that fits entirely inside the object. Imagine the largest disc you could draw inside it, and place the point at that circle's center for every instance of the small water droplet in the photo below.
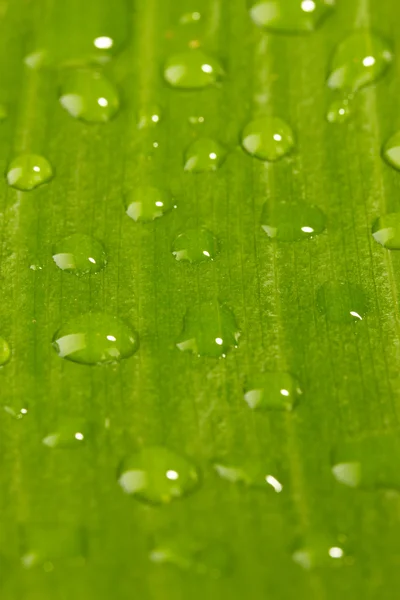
(391, 151)
(359, 60)
(212, 560)
(268, 138)
(251, 475)
(157, 475)
(192, 70)
(319, 554)
(273, 391)
(87, 94)
(204, 154)
(368, 463)
(386, 231)
(28, 171)
(5, 352)
(290, 16)
(44, 545)
(95, 338)
(209, 330)
(195, 246)
(149, 116)
(196, 120)
(16, 413)
(70, 433)
(144, 204)
(342, 302)
(79, 254)
(190, 17)
(292, 221)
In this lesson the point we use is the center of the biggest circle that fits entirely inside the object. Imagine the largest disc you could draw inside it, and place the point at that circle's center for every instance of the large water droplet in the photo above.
(70, 433)
(268, 138)
(28, 171)
(368, 463)
(87, 94)
(192, 69)
(209, 330)
(342, 302)
(292, 221)
(273, 391)
(5, 352)
(391, 151)
(79, 254)
(204, 154)
(158, 475)
(291, 16)
(148, 203)
(195, 245)
(46, 544)
(359, 60)
(94, 338)
(386, 231)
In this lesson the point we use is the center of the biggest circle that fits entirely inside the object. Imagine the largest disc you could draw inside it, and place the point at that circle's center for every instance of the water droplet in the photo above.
(16, 413)
(251, 475)
(192, 69)
(359, 60)
(195, 245)
(386, 231)
(290, 16)
(273, 391)
(342, 302)
(149, 116)
(368, 463)
(209, 330)
(157, 475)
(48, 544)
(268, 138)
(87, 94)
(5, 352)
(204, 154)
(210, 560)
(319, 554)
(28, 171)
(190, 17)
(71, 433)
(391, 151)
(79, 254)
(292, 221)
(146, 204)
(196, 120)
(94, 338)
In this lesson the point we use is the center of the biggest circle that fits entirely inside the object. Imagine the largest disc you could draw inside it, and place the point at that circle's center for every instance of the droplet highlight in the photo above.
(157, 475)
(80, 254)
(290, 16)
(89, 95)
(192, 70)
(268, 138)
(273, 391)
(145, 204)
(342, 302)
(203, 155)
(95, 338)
(28, 171)
(292, 221)
(209, 330)
(195, 246)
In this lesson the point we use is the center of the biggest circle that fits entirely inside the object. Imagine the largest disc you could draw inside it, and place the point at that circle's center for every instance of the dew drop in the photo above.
(209, 330)
(46, 544)
(391, 151)
(367, 463)
(204, 154)
(192, 70)
(290, 16)
(292, 221)
(27, 171)
(149, 116)
(340, 110)
(273, 391)
(210, 560)
(70, 433)
(144, 204)
(359, 60)
(342, 302)
(157, 475)
(268, 138)
(5, 352)
(195, 246)
(319, 554)
(386, 231)
(190, 17)
(95, 338)
(79, 254)
(87, 94)
(251, 475)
